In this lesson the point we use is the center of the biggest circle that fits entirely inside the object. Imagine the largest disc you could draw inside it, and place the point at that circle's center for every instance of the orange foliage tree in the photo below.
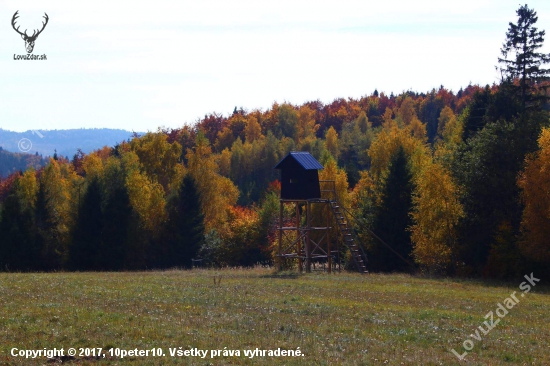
(535, 183)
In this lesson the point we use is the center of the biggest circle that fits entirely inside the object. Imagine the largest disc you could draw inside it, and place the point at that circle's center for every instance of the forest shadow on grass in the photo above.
(283, 274)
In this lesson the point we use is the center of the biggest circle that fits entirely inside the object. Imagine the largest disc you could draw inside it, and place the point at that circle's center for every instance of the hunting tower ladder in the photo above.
(342, 219)
(307, 242)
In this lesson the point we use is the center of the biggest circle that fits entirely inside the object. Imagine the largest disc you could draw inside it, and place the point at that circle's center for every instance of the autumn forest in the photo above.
(456, 182)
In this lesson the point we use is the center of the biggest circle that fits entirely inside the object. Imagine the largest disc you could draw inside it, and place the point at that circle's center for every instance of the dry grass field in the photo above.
(342, 318)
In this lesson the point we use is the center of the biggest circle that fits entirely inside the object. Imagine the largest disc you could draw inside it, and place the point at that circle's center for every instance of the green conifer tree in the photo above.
(185, 225)
(521, 59)
(392, 218)
(86, 243)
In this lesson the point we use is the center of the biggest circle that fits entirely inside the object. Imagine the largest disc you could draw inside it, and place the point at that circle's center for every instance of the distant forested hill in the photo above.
(12, 162)
(66, 142)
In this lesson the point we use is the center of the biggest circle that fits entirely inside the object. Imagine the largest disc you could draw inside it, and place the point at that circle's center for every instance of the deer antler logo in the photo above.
(29, 40)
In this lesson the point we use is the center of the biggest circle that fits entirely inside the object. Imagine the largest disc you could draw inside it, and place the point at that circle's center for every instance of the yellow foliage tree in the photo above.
(339, 176)
(225, 139)
(388, 122)
(445, 117)
(406, 111)
(362, 123)
(450, 136)
(343, 114)
(331, 142)
(147, 199)
(253, 130)
(224, 162)
(158, 157)
(437, 210)
(306, 123)
(27, 189)
(364, 186)
(535, 183)
(418, 130)
(331, 172)
(113, 174)
(218, 193)
(57, 183)
(452, 132)
(92, 166)
(386, 145)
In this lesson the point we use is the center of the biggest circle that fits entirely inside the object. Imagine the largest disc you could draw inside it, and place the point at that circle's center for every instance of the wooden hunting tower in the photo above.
(299, 176)
(306, 236)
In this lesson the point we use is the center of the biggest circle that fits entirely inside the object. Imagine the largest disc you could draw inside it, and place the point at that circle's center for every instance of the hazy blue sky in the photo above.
(138, 65)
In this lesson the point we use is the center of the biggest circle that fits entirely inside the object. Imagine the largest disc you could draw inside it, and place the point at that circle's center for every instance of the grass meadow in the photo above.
(341, 318)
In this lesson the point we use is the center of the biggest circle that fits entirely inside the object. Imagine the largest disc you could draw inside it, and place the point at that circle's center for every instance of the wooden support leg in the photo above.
(329, 251)
(308, 244)
(299, 243)
(280, 258)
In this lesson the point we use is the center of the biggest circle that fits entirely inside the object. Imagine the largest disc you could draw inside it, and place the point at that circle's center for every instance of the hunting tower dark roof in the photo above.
(303, 158)
(299, 176)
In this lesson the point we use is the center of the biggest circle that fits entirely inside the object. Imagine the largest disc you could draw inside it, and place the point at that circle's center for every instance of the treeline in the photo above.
(134, 206)
(14, 162)
(457, 184)
(455, 205)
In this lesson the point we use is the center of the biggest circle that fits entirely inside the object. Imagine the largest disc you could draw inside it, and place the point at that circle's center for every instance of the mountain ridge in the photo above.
(66, 141)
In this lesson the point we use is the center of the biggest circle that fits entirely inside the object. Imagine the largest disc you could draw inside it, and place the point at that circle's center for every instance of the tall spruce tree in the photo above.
(45, 232)
(114, 238)
(85, 249)
(392, 219)
(185, 225)
(500, 129)
(521, 59)
(17, 249)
